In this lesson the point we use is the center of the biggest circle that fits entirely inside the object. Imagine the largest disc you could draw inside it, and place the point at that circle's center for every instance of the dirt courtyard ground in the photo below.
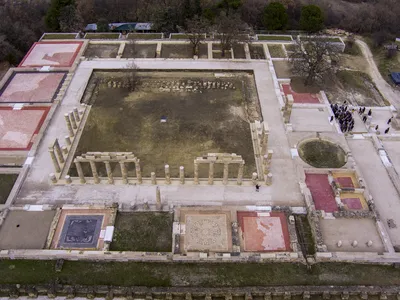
(203, 114)
(140, 51)
(25, 230)
(6, 184)
(177, 51)
(101, 51)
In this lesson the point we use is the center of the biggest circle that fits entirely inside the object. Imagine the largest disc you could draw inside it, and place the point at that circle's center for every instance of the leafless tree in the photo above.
(133, 77)
(196, 29)
(229, 30)
(314, 59)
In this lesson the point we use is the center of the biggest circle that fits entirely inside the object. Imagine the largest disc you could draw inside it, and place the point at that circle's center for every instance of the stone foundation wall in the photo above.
(187, 293)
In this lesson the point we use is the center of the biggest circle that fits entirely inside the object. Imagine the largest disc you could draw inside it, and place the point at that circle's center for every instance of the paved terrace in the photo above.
(284, 190)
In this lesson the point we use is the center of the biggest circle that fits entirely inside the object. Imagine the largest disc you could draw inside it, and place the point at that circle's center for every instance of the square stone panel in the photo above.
(32, 87)
(19, 127)
(207, 232)
(80, 231)
(56, 54)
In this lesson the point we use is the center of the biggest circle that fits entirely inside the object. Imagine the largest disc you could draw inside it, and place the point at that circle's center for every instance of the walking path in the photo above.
(392, 95)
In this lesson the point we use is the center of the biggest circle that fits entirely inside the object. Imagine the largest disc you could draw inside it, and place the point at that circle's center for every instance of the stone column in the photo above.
(196, 172)
(211, 173)
(153, 178)
(69, 126)
(254, 178)
(94, 172)
(53, 178)
(167, 175)
(80, 171)
(109, 172)
(209, 51)
(268, 179)
(76, 114)
(68, 140)
(267, 161)
(73, 121)
(247, 51)
(124, 172)
(158, 198)
(182, 174)
(264, 138)
(288, 108)
(226, 169)
(54, 160)
(64, 150)
(240, 174)
(158, 50)
(68, 179)
(138, 172)
(57, 148)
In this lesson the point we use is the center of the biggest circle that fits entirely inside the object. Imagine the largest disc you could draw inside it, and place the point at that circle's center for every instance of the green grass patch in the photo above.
(144, 231)
(322, 39)
(144, 36)
(196, 274)
(274, 38)
(179, 36)
(58, 36)
(6, 184)
(109, 36)
(276, 51)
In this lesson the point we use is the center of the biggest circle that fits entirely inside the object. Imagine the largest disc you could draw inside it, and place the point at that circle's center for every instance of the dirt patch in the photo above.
(238, 51)
(282, 69)
(6, 184)
(101, 51)
(256, 51)
(140, 51)
(143, 231)
(322, 154)
(176, 51)
(276, 51)
(204, 112)
(4, 66)
(298, 86)
(203, 51)
(354, 87)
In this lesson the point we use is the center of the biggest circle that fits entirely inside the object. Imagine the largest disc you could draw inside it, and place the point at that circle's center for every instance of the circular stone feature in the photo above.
(322, 154)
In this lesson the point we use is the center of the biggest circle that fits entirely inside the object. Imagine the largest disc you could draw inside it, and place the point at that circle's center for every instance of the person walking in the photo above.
(257, 188)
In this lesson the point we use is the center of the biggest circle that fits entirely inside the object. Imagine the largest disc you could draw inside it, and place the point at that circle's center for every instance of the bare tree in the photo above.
(229, 30)
(133, 77)
(196, 29)
(314, 59)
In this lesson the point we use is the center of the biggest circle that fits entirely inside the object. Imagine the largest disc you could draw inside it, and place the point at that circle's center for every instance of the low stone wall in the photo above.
(187, 293)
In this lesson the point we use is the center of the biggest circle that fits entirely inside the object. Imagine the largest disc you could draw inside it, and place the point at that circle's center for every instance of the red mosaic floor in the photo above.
(18, 128)
(32, 87)
(300, 98)
(352, 203)
(345, 182)
(56, 54)
(263, 232)
(321, 191)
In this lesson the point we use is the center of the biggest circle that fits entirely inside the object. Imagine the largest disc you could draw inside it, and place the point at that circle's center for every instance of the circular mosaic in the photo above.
(322, 154)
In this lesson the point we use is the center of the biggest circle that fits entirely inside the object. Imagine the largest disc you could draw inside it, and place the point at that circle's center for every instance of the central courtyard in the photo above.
(170, 118)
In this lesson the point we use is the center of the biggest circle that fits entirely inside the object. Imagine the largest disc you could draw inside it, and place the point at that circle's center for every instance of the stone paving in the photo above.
(32, 87)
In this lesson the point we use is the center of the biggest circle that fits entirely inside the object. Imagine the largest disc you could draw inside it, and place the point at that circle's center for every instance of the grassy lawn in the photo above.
(144, 231)
(196, 274)
(179, 36)
(323, 39)
(276, 51)
(6, 184)
(110, 36)
(385, 65)
(57, 36)
(274, 38)
(144, 36)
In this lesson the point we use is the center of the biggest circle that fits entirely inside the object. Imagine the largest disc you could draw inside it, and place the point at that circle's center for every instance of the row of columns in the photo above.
(287, 110)
(211, 173)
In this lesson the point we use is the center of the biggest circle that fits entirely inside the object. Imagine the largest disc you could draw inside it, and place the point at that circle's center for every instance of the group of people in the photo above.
(343, 116)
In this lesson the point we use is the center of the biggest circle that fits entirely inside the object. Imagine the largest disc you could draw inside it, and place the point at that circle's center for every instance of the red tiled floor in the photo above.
(352, 203)
(345, 182)
(56, 54)
(300, 98)
(263, 232)
(321, 191)
(19, 127)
